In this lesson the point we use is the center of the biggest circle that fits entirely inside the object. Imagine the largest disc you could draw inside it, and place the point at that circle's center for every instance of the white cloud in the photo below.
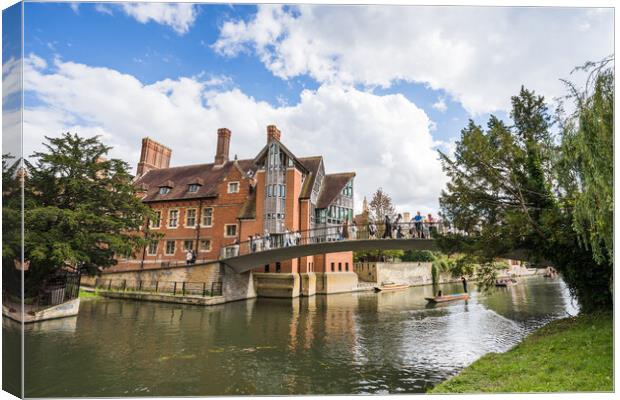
(384, 139)
(440, 105)
(104, 9)
(179, 16)
(75, 7)
(479, 55)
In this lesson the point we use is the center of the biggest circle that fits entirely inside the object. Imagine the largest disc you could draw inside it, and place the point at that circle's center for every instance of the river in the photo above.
(351, 343)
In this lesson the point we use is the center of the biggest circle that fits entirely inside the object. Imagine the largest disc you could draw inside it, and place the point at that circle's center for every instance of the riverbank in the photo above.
(568, 355)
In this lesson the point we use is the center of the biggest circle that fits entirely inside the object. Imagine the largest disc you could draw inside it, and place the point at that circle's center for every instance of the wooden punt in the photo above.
(447, 297)
(390, 286)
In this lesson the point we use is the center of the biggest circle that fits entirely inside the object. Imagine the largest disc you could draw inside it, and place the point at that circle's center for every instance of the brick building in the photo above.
(205, 207)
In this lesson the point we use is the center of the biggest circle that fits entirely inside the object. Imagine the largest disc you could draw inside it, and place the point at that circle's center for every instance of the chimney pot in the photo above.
(153, 156)
(273, 133)
(223, 145)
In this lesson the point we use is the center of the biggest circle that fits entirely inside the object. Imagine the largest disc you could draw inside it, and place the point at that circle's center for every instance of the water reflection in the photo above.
(349, 343)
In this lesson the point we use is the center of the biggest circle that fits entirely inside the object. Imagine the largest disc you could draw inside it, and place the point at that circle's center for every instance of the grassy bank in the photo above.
(567, 355)
(88, 294)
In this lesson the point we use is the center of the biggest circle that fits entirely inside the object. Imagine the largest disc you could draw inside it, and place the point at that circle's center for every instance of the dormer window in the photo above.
(233, 187)
(164, 190)
(193, 188)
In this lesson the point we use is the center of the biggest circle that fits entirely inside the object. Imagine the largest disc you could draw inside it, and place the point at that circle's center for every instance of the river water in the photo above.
(355, 343)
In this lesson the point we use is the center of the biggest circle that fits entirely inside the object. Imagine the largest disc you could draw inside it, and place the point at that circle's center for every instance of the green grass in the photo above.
(567, 355)
(88, 295)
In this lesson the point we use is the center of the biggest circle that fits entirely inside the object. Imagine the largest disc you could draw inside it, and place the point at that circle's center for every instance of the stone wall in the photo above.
(410, 273)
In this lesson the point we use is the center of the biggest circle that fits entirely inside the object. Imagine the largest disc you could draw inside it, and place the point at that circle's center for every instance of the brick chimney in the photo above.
(153, 156)
(223, 144)
(273, 133)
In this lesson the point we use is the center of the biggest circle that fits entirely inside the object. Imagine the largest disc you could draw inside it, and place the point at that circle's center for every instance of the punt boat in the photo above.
(447, 297)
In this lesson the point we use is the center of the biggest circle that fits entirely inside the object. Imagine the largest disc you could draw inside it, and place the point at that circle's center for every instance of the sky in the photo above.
(374, 89)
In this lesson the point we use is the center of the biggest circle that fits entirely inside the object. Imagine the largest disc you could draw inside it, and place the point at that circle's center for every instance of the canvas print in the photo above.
(204, 199)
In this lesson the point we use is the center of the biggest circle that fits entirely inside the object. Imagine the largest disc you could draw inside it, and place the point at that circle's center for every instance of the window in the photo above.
(281, 190)
(346, 266)
(152, 250)
(207, 216)
(233, 187)
(156, 220)
(173, 218)
(190, 217)
(193, 188)
(170, 247)
(339, 267)
(332, 267)
(230, 230)
(164, 190)
(278, 267)
(269, 190)
(266, 267)
(205, 245)
(188, 245)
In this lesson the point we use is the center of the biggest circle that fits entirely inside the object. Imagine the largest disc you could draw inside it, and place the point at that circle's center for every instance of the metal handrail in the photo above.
(332, 233)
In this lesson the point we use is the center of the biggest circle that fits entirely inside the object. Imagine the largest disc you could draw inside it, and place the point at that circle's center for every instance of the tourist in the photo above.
(266, 240)
(298, 238)
(387, 233)
(372, 230)
(287, 238)
(258, 241)
(188, 257)
(464, 283)
(396, 225)
(250, 244)
(235, 247)
(418, 224)
(354, 230)
(345, 229)
(439, 293)
(193, 256)
(430, 222)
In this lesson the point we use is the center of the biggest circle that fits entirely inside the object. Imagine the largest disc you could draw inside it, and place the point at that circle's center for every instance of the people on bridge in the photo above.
(258, 242)
(193, 256)
(417, 220)
(345, 229)
(266, 240)
(354, 230)
(287, 238)
(372, 230)
(387, 233)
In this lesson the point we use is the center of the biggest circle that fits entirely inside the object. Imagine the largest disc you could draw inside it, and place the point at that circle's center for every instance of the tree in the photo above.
(381, 205)
(501, 193)
(81, 210)
(587, 159)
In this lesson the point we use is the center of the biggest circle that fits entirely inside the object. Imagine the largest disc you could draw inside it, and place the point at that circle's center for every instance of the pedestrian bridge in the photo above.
(259, 251)
(251, 260)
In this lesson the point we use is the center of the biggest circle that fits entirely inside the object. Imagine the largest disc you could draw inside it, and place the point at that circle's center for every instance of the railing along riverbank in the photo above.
(175, 288)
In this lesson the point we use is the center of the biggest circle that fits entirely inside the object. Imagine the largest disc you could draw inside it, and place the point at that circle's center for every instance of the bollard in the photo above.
(184, 288)
(204, 289)
(156, 286)
(175, 289)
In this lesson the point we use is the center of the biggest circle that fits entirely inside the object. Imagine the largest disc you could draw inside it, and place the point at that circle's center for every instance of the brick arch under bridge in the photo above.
(247, 262)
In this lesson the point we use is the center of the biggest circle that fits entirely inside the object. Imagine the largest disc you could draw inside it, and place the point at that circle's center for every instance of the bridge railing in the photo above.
(333, 233)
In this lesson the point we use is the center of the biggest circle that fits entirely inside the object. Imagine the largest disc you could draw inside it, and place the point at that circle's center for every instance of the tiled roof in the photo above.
(312, 164)
(179, 178)
(248, 210)
(332, 186)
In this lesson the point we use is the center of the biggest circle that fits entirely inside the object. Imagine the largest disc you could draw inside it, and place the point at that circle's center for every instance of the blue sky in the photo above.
(376, 90)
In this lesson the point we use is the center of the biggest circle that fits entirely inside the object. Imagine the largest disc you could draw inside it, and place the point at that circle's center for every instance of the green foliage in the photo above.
(435, 273)
(587, 160)
(378, 255)
(418, 256)
(505, 193)
(81, 209)
(568, 355)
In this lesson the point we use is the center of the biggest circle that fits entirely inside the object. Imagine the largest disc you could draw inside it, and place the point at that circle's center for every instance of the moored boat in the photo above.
(447, 297)
(390, 286)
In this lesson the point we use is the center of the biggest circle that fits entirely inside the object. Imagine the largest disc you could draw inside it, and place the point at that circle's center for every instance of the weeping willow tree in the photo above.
(587, 159)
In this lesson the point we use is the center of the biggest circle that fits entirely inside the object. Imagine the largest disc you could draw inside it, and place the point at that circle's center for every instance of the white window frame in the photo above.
(187, 210)
(174, 247)
(170, 219)
(193, 185)
(148, 249)
(233, 183)
(226, 235)
(203, 216)
(185, 241)
(165, 189)
(160, 219)
(209, 249)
